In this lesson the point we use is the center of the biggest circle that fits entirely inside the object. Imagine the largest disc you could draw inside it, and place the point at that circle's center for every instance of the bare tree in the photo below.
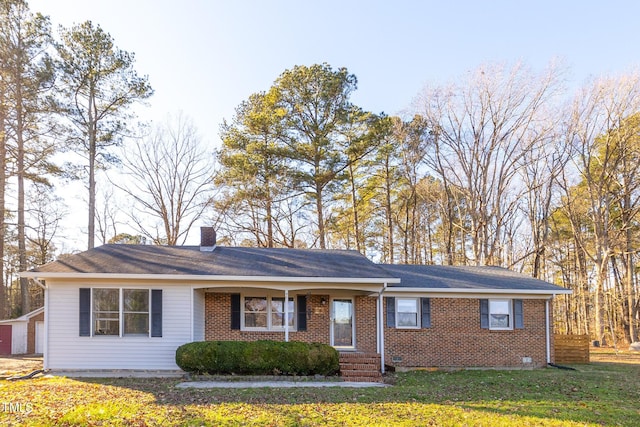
(107, 215)
(482, 130)
(169, 175)
(601, 138)
(46, 210)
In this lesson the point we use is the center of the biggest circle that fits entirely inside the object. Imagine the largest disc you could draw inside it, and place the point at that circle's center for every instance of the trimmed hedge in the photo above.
(257, 358)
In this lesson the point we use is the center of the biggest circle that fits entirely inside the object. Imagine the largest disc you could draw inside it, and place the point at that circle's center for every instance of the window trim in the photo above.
(269, 297)
(418, 304)
(509, 302)
(124, 312)
(121, 313)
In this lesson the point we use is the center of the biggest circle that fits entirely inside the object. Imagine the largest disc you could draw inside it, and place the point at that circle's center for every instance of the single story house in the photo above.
(24, 334)
(128, 307)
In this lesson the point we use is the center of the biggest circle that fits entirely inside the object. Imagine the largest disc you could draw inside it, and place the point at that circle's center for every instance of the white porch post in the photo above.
(286, 315)
(380, 310)
(547, 332)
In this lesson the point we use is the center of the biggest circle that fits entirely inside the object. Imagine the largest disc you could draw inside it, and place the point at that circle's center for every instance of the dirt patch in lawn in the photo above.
(12, 365)
(611, 355)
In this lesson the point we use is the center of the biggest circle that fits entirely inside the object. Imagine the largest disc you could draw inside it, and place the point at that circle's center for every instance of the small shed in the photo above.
(23, 335)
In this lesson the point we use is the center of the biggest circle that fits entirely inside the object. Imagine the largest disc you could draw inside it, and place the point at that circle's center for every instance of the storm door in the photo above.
(342, 323)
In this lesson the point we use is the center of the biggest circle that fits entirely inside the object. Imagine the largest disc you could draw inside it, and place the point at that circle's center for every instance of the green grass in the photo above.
(595, 394)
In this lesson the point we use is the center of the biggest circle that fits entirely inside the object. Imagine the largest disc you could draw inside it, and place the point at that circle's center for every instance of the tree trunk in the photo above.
(22, 239)
(91, 228)
(388, 212)
(354, 204)
(320, 213)
(600, 302)
(3, 183)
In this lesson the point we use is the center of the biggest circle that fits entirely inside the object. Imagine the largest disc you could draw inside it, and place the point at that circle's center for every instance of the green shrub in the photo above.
(257, 358)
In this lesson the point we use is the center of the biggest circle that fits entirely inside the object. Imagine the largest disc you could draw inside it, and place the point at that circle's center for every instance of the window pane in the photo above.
(407, 319)
(407, 305)
(499, 320)
(106, 311)
(106, 323)
(498, 307)
(136, 300)
(276, 319)
(255, 312)
(255, 320)
(106, 300)
(255, 304)
(277, 312)
(136, 324)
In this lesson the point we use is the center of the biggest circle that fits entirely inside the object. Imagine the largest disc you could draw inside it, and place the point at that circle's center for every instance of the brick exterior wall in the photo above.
(217, 322)
(366, 328)
(456, 339)
(31, 332)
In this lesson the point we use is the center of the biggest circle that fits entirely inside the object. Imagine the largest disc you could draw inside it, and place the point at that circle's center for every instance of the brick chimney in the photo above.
(207, 239)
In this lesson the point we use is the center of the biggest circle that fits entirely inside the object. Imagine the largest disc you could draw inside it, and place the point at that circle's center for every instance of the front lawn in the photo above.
(595, 394)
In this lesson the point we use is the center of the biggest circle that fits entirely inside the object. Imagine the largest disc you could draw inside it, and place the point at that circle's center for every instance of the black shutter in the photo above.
(85, 312)
(235, 311)
(484, 313)
(302, 312)
(391, 312)
(426, 312)
(518, 314)
(156, 312)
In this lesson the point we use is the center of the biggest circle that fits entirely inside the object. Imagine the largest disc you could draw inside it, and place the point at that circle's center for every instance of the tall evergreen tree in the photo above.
(27, 74)
(316, 103)
(99, 86)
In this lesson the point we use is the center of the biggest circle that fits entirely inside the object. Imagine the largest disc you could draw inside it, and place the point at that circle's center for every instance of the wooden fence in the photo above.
(571, 348)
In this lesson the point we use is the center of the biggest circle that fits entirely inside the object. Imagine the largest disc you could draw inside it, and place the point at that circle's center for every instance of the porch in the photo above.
(349, 321)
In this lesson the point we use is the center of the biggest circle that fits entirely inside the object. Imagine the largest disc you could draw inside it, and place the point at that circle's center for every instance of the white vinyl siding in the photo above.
(198, 315)
(67, 350)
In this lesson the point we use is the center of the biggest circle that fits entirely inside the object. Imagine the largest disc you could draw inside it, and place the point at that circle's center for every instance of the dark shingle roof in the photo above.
(223, 261)
(458, 277)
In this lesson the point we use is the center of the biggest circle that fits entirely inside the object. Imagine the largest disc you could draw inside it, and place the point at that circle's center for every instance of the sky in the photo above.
(204, 57)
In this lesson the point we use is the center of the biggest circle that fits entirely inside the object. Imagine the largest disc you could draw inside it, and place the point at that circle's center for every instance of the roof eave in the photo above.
(204, 278)
(408, 290)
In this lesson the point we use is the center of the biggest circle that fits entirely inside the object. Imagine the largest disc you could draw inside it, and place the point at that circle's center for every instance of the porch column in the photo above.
(379, 315)
(547, 327)
(286, 315)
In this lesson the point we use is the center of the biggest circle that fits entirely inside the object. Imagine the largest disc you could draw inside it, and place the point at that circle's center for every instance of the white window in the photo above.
(500, 314)
(115, 307)
(135, 307)
(267, 313)
(106, 312)
(407, 313)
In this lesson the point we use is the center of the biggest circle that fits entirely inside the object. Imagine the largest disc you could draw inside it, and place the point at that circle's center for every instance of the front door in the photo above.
(342, 323)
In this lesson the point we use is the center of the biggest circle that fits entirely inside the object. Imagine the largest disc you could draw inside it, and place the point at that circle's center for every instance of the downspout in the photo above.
(192, 316)
(547, 329)
(286, 315)
(381, 327)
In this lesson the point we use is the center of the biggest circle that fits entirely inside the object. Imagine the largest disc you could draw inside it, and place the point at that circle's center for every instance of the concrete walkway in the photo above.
(275, 384)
